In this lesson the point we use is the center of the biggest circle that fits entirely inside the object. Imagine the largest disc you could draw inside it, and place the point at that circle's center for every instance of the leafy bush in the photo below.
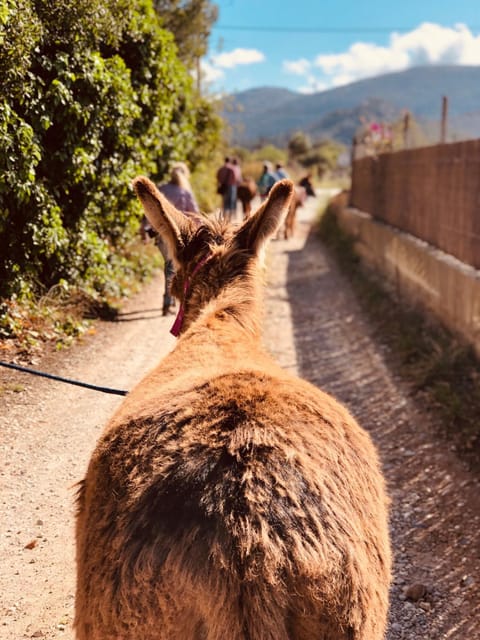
(93, 93)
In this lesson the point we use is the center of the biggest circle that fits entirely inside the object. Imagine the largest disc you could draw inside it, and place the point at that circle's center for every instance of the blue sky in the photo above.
(312, 45)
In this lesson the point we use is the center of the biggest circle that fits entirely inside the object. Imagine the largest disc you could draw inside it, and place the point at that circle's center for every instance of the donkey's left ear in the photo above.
(265, 222)
(172, 225)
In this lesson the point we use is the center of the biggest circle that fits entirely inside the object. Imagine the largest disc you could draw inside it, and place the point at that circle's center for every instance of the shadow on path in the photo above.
(435, 518)
(139, 314)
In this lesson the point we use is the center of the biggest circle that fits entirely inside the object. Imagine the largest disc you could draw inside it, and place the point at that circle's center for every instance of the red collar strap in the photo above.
(177, 325)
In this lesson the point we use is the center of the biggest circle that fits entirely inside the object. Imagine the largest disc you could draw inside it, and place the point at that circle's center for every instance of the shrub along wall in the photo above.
(91, 93)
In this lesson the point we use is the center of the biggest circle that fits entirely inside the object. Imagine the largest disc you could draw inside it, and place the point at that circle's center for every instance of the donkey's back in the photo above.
(228, 499)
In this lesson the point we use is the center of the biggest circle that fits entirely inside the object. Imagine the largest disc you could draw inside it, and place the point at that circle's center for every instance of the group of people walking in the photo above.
(229, 179)
(269, 177)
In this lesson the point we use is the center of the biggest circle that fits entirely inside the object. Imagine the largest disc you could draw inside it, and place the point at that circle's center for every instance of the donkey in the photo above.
(228, 499)
(246, 191)
(298, 200)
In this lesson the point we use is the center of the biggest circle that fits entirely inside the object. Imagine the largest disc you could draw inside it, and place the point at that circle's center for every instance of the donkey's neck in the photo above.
(236, 310)
(224, 338)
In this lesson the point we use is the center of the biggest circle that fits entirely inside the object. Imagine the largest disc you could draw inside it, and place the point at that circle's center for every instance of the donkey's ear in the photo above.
(172, 225)
(264, 223)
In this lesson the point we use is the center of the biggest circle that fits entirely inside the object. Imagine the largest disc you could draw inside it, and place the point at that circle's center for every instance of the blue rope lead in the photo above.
(17, 367)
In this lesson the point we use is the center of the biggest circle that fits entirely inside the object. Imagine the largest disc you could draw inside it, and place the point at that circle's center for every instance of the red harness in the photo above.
(177, 325)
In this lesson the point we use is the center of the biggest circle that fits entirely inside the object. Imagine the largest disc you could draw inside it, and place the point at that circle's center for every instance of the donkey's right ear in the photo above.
(264, 223)
(171, 224)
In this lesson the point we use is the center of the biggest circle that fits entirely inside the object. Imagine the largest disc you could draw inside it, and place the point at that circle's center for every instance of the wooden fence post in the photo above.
(406, 130)
(353, 155)
(443, 129)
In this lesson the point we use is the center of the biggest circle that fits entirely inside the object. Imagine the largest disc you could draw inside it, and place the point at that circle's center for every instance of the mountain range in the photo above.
(272, 114)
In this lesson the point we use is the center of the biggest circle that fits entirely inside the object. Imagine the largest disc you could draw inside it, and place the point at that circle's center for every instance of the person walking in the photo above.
(280, 172)
(227, 188)
(266, 181)
(179, 192)
(234, 192)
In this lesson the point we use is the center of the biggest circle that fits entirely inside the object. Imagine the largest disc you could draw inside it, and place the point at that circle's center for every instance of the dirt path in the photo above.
(314, 327)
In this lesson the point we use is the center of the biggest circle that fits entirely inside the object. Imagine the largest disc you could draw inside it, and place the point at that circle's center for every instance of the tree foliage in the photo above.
(299, 144)
(323, 154)
(92, 93)
(190, 21)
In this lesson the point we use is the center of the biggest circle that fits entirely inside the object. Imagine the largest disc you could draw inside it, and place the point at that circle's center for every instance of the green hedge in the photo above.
(91, 94)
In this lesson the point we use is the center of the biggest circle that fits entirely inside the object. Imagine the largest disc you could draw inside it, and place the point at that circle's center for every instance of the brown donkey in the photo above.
(298, 200)
(227, 499)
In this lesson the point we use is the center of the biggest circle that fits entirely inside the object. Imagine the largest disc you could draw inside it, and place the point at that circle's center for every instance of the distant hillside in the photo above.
(273, 114)
(247, 106)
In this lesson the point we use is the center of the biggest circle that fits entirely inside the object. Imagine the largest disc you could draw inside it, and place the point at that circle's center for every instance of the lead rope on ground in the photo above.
(86, 385)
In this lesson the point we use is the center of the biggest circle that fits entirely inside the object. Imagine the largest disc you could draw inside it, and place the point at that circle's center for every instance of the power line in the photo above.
(231, 27)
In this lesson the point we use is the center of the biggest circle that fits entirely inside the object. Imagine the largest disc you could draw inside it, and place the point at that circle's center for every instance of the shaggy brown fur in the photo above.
(227, 499)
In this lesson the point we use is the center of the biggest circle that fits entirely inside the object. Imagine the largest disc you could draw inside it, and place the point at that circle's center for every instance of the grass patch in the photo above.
(31, 326)
(441, 370)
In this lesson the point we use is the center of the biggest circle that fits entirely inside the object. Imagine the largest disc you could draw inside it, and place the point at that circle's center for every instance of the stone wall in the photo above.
(429, 277)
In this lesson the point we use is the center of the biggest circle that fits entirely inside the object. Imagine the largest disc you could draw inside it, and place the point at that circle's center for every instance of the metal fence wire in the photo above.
(431, 192)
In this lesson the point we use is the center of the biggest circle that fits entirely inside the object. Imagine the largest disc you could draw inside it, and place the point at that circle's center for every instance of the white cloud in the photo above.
(433, 44)
(342, 79)
(231, 59)
(210, 73)
(360, 61)
(428, 44)
(297, 67)
(313, 85)
(213, 68)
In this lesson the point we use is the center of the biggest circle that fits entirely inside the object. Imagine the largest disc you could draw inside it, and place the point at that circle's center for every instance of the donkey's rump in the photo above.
(241, 499)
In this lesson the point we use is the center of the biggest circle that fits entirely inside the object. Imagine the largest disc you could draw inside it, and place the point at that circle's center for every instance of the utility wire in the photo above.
(366, 29)
(231, 27)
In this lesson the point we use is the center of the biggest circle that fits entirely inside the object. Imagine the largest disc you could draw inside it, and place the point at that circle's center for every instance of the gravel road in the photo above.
(314, 327)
